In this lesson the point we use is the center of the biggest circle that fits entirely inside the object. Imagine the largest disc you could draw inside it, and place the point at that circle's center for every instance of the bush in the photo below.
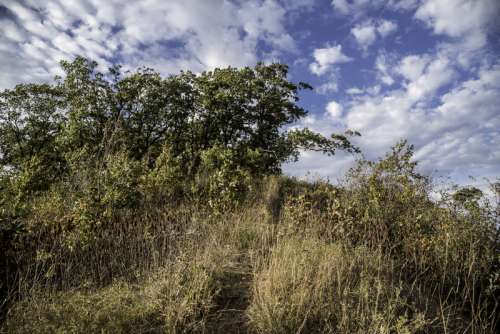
(166, 182)
(222, 179)
(448, 247)
(161, 249)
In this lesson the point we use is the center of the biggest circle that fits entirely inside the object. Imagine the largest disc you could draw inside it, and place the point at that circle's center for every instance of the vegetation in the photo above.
(135, 203)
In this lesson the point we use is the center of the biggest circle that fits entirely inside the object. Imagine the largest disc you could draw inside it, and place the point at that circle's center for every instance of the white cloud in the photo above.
(444, 101)
(355, 7)
(334, 110)
(382, 66)
(326, 57)
(205, 34)
(11, 32)
(403, 5)
(437, 74)
(366, 33)
(465, 127)
(453, 135)
(298, 4)
(341, 5)
(465, 19)
(315, 165)
(412, 67)
(354, 91)
(328, 87)
(386, 27)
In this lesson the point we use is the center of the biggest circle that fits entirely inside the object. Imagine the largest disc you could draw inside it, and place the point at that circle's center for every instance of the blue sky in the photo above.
(424, 70)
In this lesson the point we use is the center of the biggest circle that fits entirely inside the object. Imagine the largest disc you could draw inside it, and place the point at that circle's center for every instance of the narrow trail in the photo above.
(232, 300)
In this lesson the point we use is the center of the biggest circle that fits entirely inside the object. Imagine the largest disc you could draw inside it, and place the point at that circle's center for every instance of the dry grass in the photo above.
(285, 262)
(307, 285)
(177, 298)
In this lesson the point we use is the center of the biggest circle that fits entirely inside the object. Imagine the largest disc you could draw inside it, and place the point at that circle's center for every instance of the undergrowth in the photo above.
(374, 254)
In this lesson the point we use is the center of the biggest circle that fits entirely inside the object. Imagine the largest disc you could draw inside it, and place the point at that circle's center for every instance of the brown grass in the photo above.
(290, 260)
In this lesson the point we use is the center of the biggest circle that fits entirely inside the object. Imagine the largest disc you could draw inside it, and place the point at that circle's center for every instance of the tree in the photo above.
(30, 123)
(467, 195)
(90, 115)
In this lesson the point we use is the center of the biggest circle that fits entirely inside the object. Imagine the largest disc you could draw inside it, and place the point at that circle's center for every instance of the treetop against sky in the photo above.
(426, 70)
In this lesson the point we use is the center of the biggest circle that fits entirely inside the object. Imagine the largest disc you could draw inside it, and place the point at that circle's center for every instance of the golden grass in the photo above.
(274, 265)
(307, 285)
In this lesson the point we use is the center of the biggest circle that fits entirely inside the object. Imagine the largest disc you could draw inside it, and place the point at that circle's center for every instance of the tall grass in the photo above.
(373, 255)
(309, 286)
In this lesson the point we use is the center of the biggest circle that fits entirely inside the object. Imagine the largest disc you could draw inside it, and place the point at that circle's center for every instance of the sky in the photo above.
(423, 70)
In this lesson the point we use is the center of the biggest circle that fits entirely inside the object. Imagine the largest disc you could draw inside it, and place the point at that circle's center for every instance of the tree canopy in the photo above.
(89, 114)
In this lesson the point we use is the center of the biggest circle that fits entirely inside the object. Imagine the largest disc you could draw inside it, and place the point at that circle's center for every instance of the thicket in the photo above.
(136, 203)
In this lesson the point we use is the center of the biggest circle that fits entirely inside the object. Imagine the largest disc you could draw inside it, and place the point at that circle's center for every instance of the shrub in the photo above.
(222, 179)
(447, 247)
(166, 182)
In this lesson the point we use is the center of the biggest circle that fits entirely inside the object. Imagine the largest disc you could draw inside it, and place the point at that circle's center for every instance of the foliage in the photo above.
(93, 146)
(137, 203)
(242, 110)
(373, 254)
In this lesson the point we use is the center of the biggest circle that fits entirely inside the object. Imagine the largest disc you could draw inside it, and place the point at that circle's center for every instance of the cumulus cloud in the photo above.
(465, 19)
(355, 7)
(315, 165)
(465, 125)
(445, 100)
(334, 110)
(411, 67)
(166, 35)
(454, 131)
(298, 4)
(403, 5)
(328, 87)
(382, 66)
(460, 126)
(386, 27)
(437, 74)
(326, 57)
(354, 91)
(366, 33)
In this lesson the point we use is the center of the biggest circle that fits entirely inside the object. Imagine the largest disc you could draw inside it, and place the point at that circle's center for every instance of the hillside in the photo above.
(375, 256)
(141, 204)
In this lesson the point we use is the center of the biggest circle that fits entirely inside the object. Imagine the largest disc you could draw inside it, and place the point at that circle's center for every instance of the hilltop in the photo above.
(138, 204)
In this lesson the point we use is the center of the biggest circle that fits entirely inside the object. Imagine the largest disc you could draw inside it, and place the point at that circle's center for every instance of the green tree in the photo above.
(31, 120)
(46, 130)
(467, 195)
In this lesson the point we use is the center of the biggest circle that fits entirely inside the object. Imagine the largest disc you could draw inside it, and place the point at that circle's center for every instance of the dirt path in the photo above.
(233, 299)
